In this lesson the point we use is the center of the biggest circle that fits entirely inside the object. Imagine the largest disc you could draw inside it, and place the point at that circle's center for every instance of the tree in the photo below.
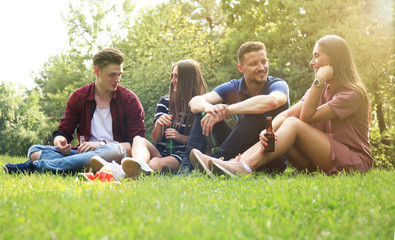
(22, 122)
(160, 37)
(289, 28)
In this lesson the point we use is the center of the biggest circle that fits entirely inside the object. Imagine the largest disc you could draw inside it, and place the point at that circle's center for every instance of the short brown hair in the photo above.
(108, 56)
(249, 47)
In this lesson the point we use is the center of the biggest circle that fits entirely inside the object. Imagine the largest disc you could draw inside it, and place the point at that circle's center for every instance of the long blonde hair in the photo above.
(189, 84)
(344, 68)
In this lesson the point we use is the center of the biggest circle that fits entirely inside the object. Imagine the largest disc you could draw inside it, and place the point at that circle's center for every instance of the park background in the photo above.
(158, 35)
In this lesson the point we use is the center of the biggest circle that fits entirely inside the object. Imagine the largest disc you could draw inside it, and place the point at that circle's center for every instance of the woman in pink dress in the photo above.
(327, 130)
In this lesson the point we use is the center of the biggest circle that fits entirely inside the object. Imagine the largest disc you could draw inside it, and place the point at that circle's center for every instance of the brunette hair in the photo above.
(190, 83)
(108, 56)
(249, 47)
(344, 68)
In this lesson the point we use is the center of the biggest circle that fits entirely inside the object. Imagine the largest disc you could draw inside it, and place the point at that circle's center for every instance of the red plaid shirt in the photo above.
(126, 111)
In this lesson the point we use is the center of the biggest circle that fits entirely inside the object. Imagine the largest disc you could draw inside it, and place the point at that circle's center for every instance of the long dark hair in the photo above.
(189, 84)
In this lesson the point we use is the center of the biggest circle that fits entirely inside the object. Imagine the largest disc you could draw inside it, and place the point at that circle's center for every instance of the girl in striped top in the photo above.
(186, 82)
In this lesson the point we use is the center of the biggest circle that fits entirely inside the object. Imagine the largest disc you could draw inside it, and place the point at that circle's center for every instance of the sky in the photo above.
(31, 32)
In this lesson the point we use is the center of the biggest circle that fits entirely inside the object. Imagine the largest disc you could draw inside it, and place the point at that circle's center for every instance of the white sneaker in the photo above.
(117, 171)
(97, 163)
(133, 167)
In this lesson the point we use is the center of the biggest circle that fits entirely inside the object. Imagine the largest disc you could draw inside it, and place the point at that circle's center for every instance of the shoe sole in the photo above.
(219, 168)
(131, 168)
(96, 164)
(201, 165)
(143, 165)
(5, 169)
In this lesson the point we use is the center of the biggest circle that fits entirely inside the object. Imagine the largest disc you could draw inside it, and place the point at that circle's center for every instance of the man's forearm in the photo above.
(255, 105)
(198, 104)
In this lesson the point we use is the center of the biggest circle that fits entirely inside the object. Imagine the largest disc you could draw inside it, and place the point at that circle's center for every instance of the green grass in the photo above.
(45, 206)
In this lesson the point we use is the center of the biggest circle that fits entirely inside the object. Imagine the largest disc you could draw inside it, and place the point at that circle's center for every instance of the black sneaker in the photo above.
(26, 167)
(184, 170)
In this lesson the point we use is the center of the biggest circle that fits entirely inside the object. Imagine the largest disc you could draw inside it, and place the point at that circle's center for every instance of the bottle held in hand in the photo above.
(269, 135)
(212, 140)
(170, 146)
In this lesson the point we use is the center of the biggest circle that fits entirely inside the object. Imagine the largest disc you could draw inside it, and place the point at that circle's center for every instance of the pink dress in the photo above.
(348, 133)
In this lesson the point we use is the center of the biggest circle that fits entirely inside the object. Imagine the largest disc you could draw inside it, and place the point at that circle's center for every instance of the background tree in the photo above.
(22, 123)
(160, 37)
(211, 32)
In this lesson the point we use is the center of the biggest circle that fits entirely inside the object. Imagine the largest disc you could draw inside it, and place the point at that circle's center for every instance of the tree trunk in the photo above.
(380, 118)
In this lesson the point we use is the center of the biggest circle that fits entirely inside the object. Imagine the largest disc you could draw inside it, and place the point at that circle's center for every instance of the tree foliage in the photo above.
(210, 32)
(22, 122)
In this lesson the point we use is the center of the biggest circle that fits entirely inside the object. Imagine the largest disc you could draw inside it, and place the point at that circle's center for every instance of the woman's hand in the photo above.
(263, 140)
(164, 120)
(172, 133)
(325, 73)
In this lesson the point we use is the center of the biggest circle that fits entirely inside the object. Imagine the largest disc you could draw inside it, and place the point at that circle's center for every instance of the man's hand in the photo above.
(208, 123)
(61, 143)
(88, 146)
(214, 114)
(220, 111)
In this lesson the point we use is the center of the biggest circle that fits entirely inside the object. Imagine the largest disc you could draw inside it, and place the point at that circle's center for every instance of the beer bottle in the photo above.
(170, 146)
(211, 138)
(269, 135)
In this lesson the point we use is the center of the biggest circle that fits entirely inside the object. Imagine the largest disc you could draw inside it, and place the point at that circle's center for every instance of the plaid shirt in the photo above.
(126, 111)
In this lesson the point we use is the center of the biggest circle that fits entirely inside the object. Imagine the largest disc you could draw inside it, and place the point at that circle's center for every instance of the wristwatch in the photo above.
(102, 143)
(318, 83)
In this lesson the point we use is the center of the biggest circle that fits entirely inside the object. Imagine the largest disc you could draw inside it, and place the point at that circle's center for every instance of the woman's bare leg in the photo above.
(294, 133)
(160, 164)
(299, 160)
(144, 150)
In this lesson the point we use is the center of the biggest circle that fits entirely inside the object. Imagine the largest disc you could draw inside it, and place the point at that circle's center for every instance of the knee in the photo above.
(138, 140)
(292, 121)
(154, 163)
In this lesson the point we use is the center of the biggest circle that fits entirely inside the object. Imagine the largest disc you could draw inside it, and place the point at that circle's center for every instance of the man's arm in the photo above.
(210, 104)
(259, 104)
(204, 103)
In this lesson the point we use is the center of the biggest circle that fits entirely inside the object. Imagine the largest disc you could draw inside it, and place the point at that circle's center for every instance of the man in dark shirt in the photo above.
(251, 98)
(106, 115)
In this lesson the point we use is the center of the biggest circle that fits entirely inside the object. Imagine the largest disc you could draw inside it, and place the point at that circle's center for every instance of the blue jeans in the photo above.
(232, 142)
(52, 160)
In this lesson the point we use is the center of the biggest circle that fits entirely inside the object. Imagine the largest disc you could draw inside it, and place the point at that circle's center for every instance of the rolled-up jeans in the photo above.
(52, 160)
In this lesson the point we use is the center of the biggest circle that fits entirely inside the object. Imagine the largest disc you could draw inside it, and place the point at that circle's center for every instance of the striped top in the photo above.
(163, 108)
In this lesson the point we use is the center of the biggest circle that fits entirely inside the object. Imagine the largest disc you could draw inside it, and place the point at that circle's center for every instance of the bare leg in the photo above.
(127, 147)
(299, 160)
(144, 150)
(294, 133)
(160, 164)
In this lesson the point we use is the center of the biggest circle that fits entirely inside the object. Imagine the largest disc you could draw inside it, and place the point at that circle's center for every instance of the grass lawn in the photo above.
(46, 206)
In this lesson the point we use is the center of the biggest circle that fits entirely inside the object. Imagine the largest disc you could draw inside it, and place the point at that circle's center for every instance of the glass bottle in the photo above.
(211, 138)
(170, 146)
(269, 135)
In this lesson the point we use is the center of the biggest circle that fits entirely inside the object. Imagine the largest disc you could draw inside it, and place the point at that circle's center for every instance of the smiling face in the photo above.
(174, 78)
(109, 77)
(320, 58)
(255, 66)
